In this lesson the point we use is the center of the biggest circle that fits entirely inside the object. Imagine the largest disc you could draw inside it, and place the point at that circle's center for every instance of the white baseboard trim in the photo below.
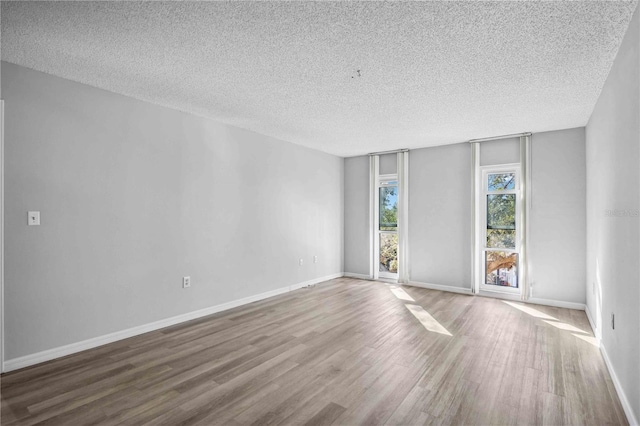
(441, 287)
(631, 418)
(307, 283)
(515, 298)
(592, 322)
(557, 303)
(533, 300)
(624, 401)
(49, 354)
(359, 276)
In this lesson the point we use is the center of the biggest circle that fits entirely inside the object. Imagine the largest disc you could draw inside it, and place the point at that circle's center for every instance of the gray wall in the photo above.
(501, 151)
(356, 216)
(440, 212)
(440, 215)
(133, 197)
(557, 216)
(388, 164)
(613, 236)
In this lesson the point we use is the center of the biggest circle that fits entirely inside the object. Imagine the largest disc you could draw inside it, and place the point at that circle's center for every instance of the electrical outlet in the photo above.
(315, 259)
(301, 262)
(186, 282)
(613, 321)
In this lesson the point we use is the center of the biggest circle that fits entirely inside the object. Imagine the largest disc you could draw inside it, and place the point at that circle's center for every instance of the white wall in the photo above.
(135, 196)
(357, 229)
(557, 216)
(613, 236)
(500, 151)
(440, 215)
(388, 164)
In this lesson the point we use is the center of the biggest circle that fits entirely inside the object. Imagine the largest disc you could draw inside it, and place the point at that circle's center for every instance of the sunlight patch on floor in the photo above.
(531, 311)
(401, 294)
(564, 326)
(427, 320)
(589, 339)
(555, 323)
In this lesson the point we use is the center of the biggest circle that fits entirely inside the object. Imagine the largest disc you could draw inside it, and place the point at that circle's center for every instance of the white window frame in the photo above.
(380, 183)
(485, 171)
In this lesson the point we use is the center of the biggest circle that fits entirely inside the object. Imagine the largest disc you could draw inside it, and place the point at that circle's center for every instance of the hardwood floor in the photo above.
(343, 352)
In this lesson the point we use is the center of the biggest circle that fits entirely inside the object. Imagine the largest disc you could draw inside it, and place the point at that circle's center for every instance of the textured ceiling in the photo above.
(346, 78)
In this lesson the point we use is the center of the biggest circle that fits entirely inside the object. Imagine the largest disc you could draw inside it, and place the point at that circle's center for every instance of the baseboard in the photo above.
(631, 418)
(49, 354)
(515, 298)
(557, 303)
(594, 328)
(533, 300)
(441, 287)
(359, 276)
(312, 282)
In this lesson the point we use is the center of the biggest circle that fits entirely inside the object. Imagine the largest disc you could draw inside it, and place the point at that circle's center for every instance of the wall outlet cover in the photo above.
(613, 321)
(33, 218)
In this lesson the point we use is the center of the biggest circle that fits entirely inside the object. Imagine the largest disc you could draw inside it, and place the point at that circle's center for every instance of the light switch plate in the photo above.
(33, 218)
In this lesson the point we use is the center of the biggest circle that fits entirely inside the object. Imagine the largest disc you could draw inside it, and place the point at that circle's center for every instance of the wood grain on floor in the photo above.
(344, 352)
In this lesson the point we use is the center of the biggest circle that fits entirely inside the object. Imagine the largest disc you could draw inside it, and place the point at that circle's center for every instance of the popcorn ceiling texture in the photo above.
(347, 78)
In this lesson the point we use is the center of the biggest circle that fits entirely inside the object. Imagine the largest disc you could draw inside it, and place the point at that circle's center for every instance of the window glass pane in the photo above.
(388, 208)
(501, 211)
(501, 238)
(388, 252)
(501, 268)
(501, 181)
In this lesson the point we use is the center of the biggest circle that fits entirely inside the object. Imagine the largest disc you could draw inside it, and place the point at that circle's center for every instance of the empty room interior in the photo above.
(322, 213)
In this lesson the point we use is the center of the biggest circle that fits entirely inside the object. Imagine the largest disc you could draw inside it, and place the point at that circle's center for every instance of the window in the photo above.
(388, 220)
(388, 226)
(388, 217)
(501, 269)
(499, 227)
(501, 221)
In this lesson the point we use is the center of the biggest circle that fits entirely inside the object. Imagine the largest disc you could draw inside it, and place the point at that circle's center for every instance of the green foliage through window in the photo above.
(501, 220)
(501, 181)
(388, 208)
(388, 252)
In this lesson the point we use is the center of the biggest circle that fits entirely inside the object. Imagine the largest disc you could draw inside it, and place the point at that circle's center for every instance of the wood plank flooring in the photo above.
(344, 352)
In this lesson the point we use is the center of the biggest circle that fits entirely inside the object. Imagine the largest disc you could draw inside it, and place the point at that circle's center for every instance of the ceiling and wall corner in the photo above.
(346, 78)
